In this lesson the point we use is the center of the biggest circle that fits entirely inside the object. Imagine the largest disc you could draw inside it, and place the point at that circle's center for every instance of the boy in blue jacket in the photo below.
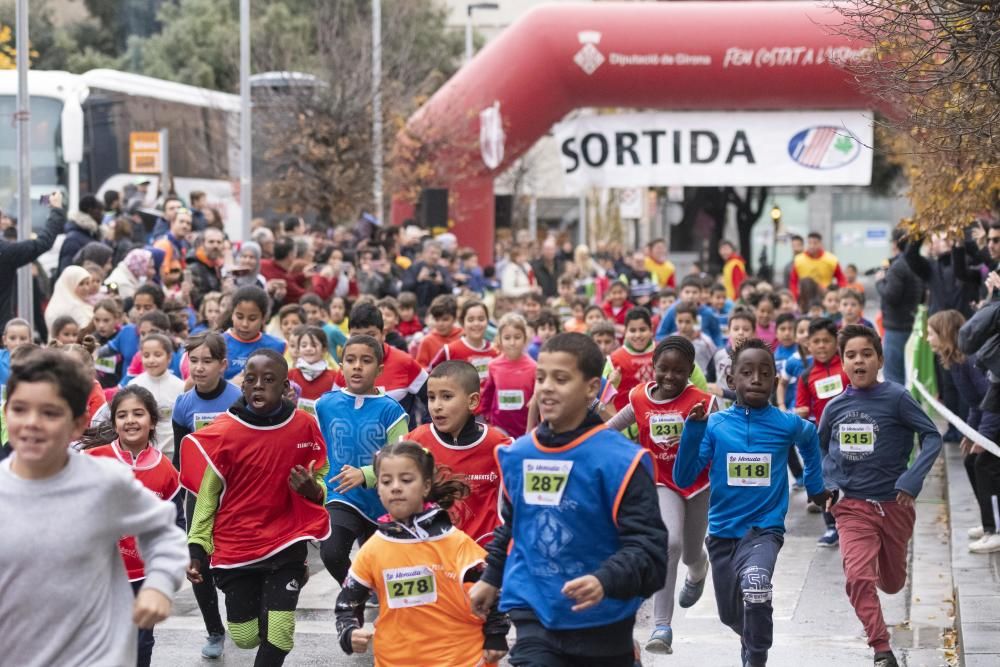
(866, 434)
(746, 448)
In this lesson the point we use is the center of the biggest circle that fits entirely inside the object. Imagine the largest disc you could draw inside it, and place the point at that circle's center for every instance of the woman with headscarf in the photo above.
(69, 297)
(247, 269)
(134, 270)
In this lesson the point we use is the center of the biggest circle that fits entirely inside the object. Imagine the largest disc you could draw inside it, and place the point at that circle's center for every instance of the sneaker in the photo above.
(813, 508)
(830, 538)
(986, 544)
(976, 533)
(691, 592)
(885, 659)
(799, 483)
(213, 647)
(660, 641)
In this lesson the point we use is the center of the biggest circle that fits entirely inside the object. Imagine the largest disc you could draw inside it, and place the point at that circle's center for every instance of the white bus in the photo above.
(80, 126)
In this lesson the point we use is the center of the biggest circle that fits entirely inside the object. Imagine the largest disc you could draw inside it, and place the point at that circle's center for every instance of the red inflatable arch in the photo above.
(662, 55)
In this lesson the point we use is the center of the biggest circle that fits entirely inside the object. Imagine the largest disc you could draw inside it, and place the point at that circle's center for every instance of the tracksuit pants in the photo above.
(742, 569)
(873, 543)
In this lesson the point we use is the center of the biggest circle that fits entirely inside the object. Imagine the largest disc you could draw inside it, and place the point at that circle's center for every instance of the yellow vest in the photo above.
(820, 269)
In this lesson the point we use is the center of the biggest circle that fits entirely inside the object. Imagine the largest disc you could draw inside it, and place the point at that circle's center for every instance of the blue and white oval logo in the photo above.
(824, 147)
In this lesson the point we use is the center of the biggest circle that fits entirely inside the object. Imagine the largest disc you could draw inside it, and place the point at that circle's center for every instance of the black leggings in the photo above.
(347, 525)
(261, 601)
(205, 593)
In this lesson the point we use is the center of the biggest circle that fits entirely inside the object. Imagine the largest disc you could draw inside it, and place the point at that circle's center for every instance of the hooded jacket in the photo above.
(80, 230)
(901, 291)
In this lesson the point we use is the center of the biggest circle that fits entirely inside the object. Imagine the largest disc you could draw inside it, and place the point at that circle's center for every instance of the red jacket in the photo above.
(820, 384)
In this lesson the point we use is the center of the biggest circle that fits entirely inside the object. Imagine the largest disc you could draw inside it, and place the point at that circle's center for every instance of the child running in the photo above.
(311, 372)
(133, 420)
(464, 445)
(660, 408)
(85, 505)
(246, 332)
(472, 346)
(746, 448)
(866, 435)
(421, 566)
(259, 502)
(357, 421)
(194, 410)
(822, 381)
(590, 491)
(510, 379)
(634, 359)
(156, 351)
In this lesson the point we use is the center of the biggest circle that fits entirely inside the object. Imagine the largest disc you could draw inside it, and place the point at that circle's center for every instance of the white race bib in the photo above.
(165, 413)
(106, 364)
(829, 387)
(748, 469)
(203, 419)
(410, 586)
(308, 406)
(665, 426)
(510, 399)
(857, 438)
(481, 364)
(545, 481)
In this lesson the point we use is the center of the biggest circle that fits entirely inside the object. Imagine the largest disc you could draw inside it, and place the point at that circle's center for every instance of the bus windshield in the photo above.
(48, 171)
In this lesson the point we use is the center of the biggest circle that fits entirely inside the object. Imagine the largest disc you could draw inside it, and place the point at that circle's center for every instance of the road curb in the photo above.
(975, 576)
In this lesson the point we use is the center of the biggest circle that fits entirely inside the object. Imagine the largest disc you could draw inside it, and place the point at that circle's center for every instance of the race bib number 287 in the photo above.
(545, 481)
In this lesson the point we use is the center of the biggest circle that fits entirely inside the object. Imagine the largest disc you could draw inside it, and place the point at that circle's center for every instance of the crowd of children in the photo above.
(553, 461)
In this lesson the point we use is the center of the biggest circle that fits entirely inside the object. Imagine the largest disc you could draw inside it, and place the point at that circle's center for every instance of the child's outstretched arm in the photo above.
(203, 523)
(807, 442)
(696, 449)
(912, 481)
(496, 626)
(350, 613)
(484, 593)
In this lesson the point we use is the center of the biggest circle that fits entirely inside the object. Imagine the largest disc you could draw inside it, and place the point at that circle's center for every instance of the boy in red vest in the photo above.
(464, 445)
(259, 502)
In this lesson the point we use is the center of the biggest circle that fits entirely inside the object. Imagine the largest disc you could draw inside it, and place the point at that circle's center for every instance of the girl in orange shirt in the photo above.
(421, 567)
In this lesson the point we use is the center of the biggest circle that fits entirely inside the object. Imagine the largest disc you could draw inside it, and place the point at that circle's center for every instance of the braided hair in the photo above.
(678, 344)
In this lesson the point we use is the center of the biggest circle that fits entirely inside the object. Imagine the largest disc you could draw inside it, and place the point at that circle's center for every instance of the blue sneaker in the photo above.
(691, 592)
(660, 641)
(799, 483)
(213, 648)
(830, 538)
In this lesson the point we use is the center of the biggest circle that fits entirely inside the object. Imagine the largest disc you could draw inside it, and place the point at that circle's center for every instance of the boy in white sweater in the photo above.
(66, 599)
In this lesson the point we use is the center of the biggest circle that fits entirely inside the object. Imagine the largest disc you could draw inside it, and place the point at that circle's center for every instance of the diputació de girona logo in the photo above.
(824, 147)
(589, 57)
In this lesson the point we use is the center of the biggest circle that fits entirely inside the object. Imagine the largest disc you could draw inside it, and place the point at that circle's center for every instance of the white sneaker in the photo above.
(987, 544)
(976, 533)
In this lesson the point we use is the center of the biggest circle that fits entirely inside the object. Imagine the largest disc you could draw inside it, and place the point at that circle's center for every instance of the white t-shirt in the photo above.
(165, 390)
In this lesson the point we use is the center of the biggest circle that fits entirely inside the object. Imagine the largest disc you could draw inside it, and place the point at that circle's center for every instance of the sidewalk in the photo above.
(976, 577)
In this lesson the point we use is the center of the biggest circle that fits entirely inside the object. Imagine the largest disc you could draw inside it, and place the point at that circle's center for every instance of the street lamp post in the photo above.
(471, 7)
(25, 295)
(776, 219)
(246, 145)
(377, 147)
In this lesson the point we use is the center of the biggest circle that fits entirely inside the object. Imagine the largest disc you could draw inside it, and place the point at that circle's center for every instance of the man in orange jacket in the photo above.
(815, 263)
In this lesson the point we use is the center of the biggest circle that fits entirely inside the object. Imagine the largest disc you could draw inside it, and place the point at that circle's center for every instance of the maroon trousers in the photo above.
(873, 540)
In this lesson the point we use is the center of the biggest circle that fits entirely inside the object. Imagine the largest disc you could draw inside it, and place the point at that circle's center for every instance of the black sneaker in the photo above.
(885, 659)
(691, 592)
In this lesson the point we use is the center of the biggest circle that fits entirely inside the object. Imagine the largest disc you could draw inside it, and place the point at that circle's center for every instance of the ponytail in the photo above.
(446, 488)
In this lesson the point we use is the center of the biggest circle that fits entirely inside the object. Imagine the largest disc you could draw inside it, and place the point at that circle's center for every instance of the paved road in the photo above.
(814, 623)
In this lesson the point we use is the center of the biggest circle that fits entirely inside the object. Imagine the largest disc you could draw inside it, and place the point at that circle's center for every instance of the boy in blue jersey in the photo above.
(866, 434)
(746, 448)
(357, 421)
(581, 521)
